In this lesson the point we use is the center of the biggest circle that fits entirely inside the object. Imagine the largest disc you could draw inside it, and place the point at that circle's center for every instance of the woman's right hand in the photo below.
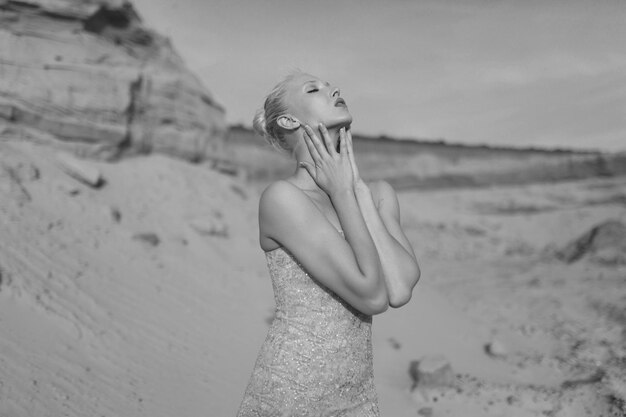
(333, 171)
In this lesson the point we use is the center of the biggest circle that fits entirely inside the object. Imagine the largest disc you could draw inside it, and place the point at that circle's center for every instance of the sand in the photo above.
(148, 295)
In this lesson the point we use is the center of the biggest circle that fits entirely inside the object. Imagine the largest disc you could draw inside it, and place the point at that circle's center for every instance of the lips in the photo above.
(340, 102)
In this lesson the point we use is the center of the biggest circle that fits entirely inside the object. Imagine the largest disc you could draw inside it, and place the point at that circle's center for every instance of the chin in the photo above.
(340, 122)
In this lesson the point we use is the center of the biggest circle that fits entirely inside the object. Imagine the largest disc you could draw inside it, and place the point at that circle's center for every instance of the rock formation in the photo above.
(604, 243)
(89, 77)
(431, 371)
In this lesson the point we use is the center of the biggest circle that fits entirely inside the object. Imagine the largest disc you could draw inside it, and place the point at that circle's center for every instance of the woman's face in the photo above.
(313, 101)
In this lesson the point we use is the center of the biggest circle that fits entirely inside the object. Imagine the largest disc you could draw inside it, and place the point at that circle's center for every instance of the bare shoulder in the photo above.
(384, 196)
(284, 209)
(280, 195)
(381, 189)
(277, 190)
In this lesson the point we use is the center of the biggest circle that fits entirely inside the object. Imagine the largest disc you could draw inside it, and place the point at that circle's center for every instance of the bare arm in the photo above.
(350, 267)
(400, 268)
(399, 265)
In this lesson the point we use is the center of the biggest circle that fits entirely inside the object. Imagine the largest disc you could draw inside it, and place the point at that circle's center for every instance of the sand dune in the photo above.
(148, 295)
(137, 288)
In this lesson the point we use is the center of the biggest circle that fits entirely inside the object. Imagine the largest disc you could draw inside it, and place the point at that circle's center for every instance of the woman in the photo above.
(337, 255)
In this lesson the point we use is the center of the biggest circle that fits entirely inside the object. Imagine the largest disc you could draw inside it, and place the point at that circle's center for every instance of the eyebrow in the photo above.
(327, 84)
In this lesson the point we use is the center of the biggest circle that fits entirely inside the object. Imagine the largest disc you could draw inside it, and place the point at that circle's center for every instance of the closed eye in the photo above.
(313, 90)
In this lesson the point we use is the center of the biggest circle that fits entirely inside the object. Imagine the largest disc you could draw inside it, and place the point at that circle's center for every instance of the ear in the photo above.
(288, 122)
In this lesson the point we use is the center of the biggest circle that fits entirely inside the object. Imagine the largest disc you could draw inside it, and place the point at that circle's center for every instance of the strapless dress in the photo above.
(317, 357)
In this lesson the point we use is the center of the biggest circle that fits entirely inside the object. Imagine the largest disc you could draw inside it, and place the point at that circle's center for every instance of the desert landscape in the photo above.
(132, 282)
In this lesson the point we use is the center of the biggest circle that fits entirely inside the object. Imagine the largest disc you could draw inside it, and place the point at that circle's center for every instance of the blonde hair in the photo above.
(265, 120)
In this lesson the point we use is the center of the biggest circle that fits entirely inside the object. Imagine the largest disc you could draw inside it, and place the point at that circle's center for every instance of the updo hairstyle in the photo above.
(265, 120)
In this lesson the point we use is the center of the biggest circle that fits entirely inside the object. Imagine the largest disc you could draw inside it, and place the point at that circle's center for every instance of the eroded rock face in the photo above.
(87, 76)
(431, 371)
(604, 243)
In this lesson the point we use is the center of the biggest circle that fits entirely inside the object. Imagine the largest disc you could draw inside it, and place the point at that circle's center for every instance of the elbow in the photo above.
(372, 295)
(376, 305)
(402, 297)
(417, 273)
(413, 275)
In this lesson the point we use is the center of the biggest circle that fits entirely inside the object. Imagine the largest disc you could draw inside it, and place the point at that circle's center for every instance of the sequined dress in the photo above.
(317, 357)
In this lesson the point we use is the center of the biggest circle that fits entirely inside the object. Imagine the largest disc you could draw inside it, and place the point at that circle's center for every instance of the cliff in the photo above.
(89, 77)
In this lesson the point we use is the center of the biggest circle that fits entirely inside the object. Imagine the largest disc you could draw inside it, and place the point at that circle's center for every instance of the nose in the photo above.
(335, 92)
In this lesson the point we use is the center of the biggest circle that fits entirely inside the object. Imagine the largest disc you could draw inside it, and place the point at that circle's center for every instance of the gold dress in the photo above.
(317, 357)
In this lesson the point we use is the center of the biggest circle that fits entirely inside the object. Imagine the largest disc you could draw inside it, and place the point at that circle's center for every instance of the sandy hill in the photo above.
(146, 294)
(135, 286)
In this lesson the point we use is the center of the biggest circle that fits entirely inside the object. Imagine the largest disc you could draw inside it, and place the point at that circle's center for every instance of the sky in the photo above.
(548, 73)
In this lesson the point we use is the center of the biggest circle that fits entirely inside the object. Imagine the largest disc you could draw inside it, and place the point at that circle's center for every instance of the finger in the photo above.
(309, 169)
(321, 149)
(355, 169)
(315, 141)
(349, 145)
(312, 149)
(343, 147)
(327, 140)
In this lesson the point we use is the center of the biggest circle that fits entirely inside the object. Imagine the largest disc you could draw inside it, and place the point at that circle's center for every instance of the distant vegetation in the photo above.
(420, 163)
(417, 143)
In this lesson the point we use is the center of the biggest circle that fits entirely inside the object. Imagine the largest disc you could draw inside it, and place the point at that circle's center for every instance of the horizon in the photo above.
(486, 72)
(444, 142)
